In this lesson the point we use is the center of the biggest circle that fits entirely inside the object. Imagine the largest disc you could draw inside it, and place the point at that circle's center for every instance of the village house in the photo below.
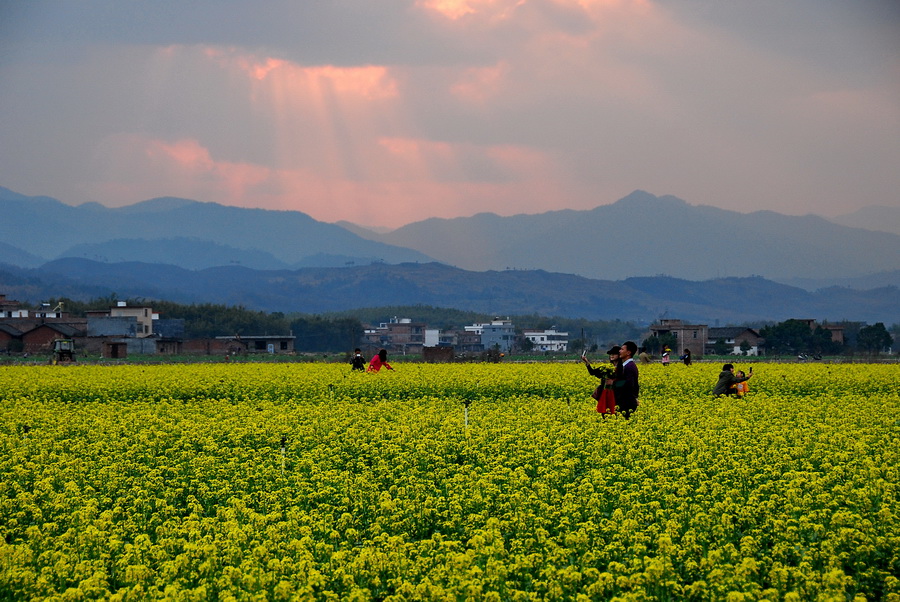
(435, 337)
(467, 341)
(143, 314)
(8, 307)
(10, 338)
(34, 330)
(687, 336)
(396, 336)
(497, 334)
(837, 332)
(737, 338)
(259, 343)
(40, 338)
(122, 330)
(547, 340)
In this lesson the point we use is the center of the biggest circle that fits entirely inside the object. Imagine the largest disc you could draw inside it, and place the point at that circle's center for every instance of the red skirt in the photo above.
(606, 400)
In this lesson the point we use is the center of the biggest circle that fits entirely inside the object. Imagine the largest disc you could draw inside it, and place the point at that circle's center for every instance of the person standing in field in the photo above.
(604, 393)
(627, 387)
(357, 362)
(727, 383)
(686, 357)
(378, 360)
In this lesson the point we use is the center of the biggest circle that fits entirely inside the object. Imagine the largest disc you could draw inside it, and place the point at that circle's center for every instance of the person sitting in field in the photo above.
(727, 383)
(378, 360)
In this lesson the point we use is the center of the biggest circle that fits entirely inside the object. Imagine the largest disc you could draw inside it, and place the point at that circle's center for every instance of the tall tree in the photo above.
(790, 336)
(874, 339)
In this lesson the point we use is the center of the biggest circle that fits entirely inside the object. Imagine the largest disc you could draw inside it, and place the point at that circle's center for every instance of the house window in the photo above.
(695, 334)
(284, 345)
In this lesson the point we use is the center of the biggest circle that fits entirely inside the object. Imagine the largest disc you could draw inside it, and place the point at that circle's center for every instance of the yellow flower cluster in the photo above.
(295, 481)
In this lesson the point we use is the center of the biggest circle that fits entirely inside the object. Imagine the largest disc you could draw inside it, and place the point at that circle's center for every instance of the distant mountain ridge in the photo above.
(188, 253)
(48, 228)
(874, 217)
(511, 292)
(16, 256)
(639, 235)
(645, 235)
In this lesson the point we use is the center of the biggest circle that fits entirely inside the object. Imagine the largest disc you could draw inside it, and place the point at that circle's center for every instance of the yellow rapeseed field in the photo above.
(304, 481)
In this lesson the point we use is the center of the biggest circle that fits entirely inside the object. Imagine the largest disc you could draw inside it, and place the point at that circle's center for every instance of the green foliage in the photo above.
(721, 347)
(795, 336)
(787, 337)
(209, 320)
(874, 339)
(655, 344)
(527, 345)
(313, 333)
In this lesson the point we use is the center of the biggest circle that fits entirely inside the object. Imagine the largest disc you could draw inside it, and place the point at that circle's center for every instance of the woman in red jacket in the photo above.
(378, 360)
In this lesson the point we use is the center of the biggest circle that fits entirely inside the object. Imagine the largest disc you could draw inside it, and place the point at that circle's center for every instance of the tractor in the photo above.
(63, 351)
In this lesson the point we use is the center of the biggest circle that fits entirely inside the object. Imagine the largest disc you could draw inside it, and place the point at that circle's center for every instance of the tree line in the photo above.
(342, 331)
(795, 337)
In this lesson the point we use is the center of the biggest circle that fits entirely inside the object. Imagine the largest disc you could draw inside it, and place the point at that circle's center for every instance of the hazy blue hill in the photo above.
(16, 256)
(367, 233)
(862, 283)
(874, 217)
(48, 228)
(188, 253)
(157, 205)
(645, 235)
(39, 225)
(510, 292)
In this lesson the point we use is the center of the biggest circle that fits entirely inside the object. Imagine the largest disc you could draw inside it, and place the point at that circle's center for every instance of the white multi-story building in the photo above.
(548, 340)
(496, 333)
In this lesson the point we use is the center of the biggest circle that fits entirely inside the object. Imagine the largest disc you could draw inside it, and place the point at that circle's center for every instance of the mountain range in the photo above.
(644, 235)
(873, 217)
(639, 235)
(509, 292)
(637, 259)
(184, 232)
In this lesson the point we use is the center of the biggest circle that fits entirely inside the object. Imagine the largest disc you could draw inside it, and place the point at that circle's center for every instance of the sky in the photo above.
(386, 112)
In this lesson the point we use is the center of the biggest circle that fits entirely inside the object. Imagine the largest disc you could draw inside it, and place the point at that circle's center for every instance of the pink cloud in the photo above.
(456, 9)
(142, 168)
(497, 11)
(480, 84)
(187, 154)
(341, 143)
(365, 81)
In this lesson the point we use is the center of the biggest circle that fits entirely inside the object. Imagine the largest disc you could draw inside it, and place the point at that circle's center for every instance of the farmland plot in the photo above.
(295, 481)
